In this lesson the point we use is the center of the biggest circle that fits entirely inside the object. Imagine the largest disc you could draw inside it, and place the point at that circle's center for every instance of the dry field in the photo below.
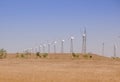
(59, 68)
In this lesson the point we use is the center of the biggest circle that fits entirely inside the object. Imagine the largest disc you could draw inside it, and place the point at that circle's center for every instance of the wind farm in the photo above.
(59, 41)
(47, 63)
(40, 64)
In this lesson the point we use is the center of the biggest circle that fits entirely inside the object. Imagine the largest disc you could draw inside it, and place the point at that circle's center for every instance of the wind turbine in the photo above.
(84, 42)
(103, 48)
(24, 51)
(36, 49)
(49, 47)
(44, 45)
(62, 46)
(71, 44)
(55, 46)
(119, 37)
(31, 51)
(40, 48)
(114, 48)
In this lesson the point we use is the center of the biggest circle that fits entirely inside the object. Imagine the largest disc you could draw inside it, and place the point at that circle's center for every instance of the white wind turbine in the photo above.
(54, 45)
(31, 51)
(49, 47)
(84, 36)
(44, 46)
(62, 46)
(71, 44)
(36, 49)
(40, 48)
(103, 45)
(114, 50)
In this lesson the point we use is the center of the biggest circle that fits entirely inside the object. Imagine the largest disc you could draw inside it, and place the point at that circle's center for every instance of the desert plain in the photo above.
(59, 68)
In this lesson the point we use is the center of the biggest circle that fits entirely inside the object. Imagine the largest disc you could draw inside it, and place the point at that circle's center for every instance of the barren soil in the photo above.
(59, 69)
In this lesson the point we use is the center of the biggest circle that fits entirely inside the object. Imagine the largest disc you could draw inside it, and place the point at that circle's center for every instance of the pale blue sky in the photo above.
(29, 23)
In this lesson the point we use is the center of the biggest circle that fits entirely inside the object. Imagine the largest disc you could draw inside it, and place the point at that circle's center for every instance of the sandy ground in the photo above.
(57, 69)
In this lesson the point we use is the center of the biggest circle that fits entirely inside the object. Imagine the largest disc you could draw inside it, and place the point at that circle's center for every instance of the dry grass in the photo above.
(59, 68)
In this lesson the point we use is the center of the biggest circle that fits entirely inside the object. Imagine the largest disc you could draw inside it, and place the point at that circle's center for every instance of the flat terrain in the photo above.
(59, 68)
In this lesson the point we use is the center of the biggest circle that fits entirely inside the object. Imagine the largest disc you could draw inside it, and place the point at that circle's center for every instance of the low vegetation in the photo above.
(22, 55)
(115, 58)
(17, 55)
(87, 56)
(3, 53)
(38, 55)
(75, 55)
(60, 68)
(45, 55)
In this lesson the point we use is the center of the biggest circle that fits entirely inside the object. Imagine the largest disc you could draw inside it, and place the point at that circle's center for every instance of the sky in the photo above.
(29, 23)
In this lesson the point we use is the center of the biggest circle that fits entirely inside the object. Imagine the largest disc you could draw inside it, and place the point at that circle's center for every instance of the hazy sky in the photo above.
(29, 23)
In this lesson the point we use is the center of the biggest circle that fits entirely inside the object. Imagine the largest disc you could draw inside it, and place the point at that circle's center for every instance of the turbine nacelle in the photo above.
(84, 35)
(55, 42)
(63, 40)
(40, 46)
(72, 37)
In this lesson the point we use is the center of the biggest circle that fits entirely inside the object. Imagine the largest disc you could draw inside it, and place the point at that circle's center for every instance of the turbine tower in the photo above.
(40, 48)
(55, 47)
(71, 44)
(114, 50)
(49, 47)
(36, 49)
(103, 48)
(84, 42)
(62, 46)
(44, 45)
(30, 51)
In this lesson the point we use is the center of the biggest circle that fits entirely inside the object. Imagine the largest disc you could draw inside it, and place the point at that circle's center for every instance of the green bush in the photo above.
(22, 55)
(115, 58)
(27, 53)
(17, 54)
(38, 54)
(45, 55)
(3, 53)
(90, 56)
(87, 56)
(75, 55)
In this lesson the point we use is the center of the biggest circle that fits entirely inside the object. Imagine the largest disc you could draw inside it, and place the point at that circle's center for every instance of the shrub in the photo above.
(17, 54)
(45, 55)
(27, 53)
(90, 56)
(75, 55)
(3, 53)
(115, 58)
(22, 55)
(38, 54)
(87, 56)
